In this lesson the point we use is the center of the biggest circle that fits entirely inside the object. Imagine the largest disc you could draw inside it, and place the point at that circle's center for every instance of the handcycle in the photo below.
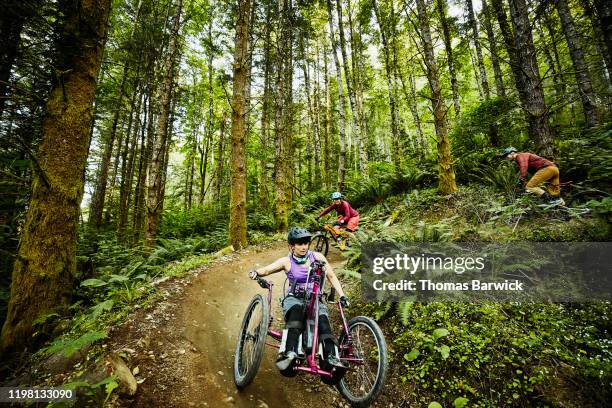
(361, 345)
(320, 240)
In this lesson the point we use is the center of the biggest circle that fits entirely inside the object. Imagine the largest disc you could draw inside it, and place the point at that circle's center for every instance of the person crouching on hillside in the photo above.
(545, 171)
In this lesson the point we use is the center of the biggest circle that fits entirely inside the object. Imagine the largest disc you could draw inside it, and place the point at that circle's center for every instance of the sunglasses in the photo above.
(302, 241)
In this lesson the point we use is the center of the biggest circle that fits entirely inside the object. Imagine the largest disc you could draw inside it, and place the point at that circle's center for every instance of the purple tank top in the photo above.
(299, 273)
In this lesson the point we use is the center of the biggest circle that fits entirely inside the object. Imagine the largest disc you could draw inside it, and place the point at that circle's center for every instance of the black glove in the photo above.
(521, 182)
(253, 274)
(344, 301)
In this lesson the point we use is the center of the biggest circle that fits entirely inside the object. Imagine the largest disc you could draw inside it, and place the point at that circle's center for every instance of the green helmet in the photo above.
(297, 234)
(509, 150)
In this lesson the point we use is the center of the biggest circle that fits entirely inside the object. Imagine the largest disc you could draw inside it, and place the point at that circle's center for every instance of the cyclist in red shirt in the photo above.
(545, 171)
(347, 215)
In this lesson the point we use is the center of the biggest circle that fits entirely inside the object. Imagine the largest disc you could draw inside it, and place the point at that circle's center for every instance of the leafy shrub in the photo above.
(493, 123)
(195, 221)
(585, 156)
(500, 354)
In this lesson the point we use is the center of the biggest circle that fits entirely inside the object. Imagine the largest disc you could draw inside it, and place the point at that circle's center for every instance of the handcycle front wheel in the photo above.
(251, 341)
(362, 383)
(320, 244)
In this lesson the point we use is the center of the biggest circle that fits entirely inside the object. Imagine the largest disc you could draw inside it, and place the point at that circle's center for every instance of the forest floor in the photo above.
(184, 345)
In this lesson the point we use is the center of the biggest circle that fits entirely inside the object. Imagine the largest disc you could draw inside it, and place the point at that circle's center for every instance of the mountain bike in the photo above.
(327, 232)
(361, 345)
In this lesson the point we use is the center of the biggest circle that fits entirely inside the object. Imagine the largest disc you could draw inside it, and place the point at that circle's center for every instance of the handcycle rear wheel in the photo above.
(362, 383)
(320, 244)
(251, 341)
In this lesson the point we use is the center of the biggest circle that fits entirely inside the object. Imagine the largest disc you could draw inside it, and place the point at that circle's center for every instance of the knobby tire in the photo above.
(355, 386)
(251, 341)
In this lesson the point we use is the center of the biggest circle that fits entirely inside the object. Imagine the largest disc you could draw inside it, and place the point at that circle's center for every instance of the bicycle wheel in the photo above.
(362, 383)
(251, 341)
(320, 244)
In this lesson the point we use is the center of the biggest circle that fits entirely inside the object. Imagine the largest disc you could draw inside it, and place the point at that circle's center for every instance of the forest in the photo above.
(143, 140)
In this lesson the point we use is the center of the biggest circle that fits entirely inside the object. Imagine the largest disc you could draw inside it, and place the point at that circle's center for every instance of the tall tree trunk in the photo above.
(312, 124)
(203, 167)
(127, 177)
(479, 59)
(350, 88)
(523, 63)
(43, 273)
(599, 38)
(145, 158)
(556, 78)
(534, 105)
(341, 100)
(583, 80)
(554, 39)
(441, 6)
(410, 96)
(13, 15)
(282, 119)
(396, 151)
(237, 224)
(220, 150)
(357, 64)
(317, 118)
(99, 195)
(267, 102)
(156, 166)
(604, 11)
(499, 81)
(446, 174)
(327, 127)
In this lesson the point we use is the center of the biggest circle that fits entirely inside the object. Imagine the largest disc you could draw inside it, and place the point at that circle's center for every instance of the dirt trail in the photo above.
(184, 347)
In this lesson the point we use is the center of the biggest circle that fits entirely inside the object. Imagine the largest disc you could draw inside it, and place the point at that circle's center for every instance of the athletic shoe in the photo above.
(285, 360)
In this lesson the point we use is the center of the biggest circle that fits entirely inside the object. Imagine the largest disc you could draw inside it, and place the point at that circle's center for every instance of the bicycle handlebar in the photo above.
(262, 282)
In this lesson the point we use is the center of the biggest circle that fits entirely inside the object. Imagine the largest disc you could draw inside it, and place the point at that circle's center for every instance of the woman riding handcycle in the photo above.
(356, 363)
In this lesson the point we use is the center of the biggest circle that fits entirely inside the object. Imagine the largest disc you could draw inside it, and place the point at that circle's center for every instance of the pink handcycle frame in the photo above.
(313, 307)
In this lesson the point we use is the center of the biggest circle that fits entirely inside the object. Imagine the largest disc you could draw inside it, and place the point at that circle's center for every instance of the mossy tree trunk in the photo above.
(43, 274)
(156, 171)
(495, 60)
(534, 105)
(396, 153)
(237, 226)
(479, 58)
(581, 71)
(446, 35)
(446, 174)
(282, 120)
(267, 103)
(341, 101)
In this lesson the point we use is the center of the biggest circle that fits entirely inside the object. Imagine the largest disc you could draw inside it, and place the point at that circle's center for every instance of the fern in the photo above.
(382, 309)
(98, 309)
(348, 272)
(403, 310)
(70, 346)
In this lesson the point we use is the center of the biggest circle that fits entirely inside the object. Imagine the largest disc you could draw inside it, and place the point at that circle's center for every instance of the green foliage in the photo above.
(199, 220)
(89, 394)
(585, 156)
(525, 352)
(68, 345)
(602, 208)
(493, 123)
